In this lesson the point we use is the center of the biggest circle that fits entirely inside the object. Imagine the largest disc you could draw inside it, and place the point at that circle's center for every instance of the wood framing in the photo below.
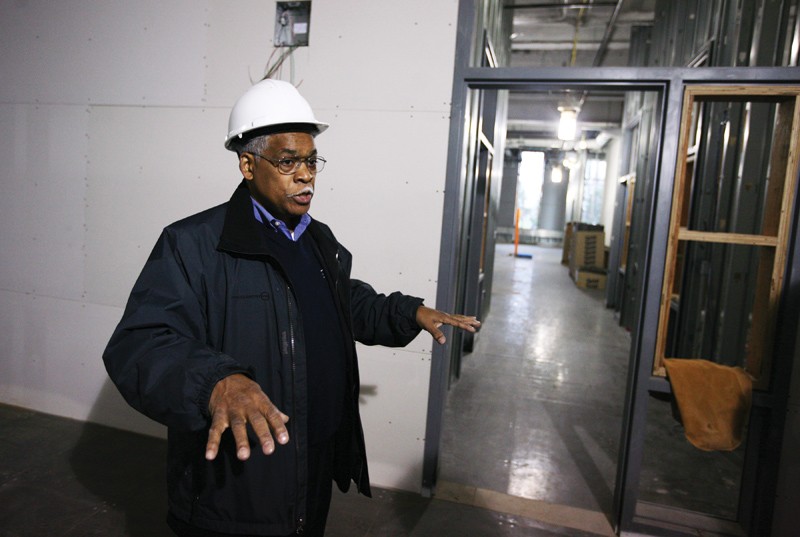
(771, 242)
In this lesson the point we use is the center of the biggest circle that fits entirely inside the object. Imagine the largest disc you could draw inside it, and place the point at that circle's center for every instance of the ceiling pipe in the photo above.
(604, 43)
(550, 46)
(612, 22)
(556, 5)
(601, 50)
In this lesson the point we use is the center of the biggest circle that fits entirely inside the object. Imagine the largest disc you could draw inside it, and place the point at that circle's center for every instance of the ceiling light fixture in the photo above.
(570, 161)
(568, 124)
(556, 174)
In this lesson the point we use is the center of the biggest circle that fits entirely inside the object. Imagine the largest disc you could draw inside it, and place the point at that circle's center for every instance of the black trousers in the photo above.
(320, 482)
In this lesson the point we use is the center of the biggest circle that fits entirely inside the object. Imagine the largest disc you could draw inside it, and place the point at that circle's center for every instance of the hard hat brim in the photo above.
(247, 134)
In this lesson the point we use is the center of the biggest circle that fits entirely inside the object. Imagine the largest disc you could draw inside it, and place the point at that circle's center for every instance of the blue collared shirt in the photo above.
(263, 215)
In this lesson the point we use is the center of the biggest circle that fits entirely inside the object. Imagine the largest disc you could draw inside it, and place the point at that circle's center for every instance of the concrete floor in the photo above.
(537, 411)
(529, 444)
(65, 478)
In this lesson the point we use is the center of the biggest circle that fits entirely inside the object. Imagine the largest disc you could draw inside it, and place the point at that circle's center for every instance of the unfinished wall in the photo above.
(114, 115)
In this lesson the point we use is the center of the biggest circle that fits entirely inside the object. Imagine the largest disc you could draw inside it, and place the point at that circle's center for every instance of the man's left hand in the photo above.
(431, 320)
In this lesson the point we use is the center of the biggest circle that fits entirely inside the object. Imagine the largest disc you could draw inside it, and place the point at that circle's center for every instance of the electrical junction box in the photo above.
(292, 21)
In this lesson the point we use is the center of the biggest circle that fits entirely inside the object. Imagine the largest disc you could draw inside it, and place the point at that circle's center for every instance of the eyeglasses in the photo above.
(290, 165)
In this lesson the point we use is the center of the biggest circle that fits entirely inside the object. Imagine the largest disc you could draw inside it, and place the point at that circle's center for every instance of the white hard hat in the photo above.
(270, 103)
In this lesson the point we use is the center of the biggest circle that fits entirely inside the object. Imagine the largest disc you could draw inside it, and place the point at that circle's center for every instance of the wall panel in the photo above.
(148, 168)
(392, 55)
(117, 112)
(51, 350)
(394, 419)
(42, 190)
(93, 51)
(380, 193)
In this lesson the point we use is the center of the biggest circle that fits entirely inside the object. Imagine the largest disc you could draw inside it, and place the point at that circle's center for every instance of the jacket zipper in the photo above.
(300, 522)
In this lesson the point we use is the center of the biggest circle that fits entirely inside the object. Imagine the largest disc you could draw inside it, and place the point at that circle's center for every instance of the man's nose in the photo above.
(303, 174)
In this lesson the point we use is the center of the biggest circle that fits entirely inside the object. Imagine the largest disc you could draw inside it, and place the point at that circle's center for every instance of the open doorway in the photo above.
(661, 485)
(537, 410)
(556, 374)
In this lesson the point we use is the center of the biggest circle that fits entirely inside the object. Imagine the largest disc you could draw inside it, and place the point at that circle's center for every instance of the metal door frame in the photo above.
(669, 82)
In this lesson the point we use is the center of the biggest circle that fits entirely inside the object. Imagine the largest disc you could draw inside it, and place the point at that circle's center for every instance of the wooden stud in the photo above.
(773, 240)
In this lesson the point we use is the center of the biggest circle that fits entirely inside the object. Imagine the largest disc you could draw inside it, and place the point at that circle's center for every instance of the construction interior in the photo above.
(618, 194)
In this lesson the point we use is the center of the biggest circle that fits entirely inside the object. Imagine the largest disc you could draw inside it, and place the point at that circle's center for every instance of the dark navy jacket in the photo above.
(211, 302)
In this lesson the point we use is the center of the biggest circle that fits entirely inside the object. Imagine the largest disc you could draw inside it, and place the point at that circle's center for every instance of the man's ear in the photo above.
(247, 163)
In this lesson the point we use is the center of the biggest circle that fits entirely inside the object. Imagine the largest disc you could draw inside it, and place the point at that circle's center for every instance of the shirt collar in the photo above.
(263, 216)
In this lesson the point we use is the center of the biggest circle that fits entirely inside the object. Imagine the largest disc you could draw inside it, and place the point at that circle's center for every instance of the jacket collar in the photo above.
(243, 234)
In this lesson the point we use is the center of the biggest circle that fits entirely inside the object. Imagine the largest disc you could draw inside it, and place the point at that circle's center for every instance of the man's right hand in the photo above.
(236, 401)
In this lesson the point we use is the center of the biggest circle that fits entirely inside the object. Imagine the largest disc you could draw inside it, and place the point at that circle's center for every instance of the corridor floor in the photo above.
(65, 478)
(537, 410)
(536, 413)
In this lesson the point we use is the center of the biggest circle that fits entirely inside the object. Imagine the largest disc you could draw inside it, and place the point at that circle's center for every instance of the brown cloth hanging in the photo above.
(714, 402)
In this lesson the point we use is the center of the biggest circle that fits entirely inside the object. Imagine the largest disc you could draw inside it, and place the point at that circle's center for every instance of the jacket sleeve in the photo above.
(158, 356)
(383, 320)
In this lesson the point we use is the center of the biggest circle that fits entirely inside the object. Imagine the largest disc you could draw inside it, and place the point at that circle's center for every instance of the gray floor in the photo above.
(60, 477)
(537, 410)
(529, 445)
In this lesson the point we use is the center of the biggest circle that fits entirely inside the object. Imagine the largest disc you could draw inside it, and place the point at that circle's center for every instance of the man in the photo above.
(244, 318)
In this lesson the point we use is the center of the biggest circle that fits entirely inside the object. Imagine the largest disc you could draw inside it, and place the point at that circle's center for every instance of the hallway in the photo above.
(537, 410)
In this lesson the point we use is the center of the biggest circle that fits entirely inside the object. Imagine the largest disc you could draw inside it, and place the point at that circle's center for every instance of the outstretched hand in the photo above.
(431, 320)
(237, 401)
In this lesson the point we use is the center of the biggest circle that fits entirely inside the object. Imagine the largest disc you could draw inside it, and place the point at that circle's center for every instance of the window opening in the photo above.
(529, 189)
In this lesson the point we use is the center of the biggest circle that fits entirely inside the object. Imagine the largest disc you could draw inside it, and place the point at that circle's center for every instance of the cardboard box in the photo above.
(590, 279)
(587, 249)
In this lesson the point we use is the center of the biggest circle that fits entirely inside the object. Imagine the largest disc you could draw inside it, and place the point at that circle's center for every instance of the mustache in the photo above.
(306, 190)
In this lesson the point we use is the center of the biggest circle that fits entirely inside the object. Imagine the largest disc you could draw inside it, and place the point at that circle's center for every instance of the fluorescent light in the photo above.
(568, 125)
(555, 174)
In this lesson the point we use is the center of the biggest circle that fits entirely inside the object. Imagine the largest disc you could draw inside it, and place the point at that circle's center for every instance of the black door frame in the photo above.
(669, 82)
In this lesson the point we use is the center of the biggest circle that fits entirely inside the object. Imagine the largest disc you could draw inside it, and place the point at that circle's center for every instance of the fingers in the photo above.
(276, 420)
(431, 320)
(261, 428)
(239, 429)
(218, 425)
(236, 403)
(437, 334)
(268, 424)
(470, 324)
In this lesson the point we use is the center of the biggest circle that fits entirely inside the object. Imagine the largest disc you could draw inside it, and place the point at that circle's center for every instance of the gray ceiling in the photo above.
(569, 33)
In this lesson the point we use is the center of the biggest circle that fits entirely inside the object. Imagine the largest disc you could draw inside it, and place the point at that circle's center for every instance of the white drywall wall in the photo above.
(113, 116)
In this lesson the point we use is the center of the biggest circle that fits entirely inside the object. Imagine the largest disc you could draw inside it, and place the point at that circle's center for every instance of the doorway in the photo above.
(537, 410)
(633, 509)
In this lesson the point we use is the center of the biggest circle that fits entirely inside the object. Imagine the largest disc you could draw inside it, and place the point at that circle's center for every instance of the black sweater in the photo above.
(325, 349)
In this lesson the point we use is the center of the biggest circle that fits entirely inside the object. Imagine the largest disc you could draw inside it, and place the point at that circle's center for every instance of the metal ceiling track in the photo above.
(556, 5)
